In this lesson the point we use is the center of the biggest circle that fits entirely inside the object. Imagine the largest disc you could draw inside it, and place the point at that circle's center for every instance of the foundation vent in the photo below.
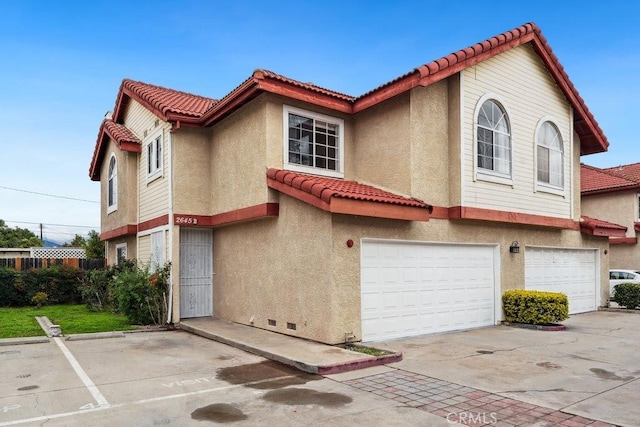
(291, 326)
(271, 322)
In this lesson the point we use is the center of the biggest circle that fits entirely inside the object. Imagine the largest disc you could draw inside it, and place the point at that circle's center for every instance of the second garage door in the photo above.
(411, 288)
(570, 271)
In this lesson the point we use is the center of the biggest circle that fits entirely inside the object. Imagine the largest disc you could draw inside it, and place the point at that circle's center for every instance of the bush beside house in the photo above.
(627, 295)
(535, 307)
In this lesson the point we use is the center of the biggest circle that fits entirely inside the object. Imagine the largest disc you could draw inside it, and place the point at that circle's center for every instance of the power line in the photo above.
(44, 223)
(49, 195)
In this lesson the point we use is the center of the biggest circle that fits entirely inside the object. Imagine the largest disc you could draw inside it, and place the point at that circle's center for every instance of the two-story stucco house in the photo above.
(613, 194)
(408, 210)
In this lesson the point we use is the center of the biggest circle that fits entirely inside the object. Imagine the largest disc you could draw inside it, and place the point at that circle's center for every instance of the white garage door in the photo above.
(570, 271)
(411, 288)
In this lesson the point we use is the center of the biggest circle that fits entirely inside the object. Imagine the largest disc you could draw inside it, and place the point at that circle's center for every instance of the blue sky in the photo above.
(63, 61)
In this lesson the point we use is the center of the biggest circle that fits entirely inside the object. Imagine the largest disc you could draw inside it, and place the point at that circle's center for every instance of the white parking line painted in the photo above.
(137, 402)
(100, 399)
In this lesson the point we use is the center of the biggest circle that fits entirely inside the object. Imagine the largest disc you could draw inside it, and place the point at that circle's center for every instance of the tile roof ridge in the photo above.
(462, 54)
(127, 82)
(261, 73)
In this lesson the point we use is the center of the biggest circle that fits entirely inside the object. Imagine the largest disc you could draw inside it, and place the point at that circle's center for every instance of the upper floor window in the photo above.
(549, 155)
(112, 185)
(154, 157)
(494, 139)
(314, 142)
(638, 206)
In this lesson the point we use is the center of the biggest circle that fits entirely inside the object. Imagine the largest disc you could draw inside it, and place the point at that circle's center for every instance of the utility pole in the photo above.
(41, 232)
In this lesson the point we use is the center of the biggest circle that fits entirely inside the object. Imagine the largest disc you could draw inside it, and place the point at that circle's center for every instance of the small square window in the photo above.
(313, 143)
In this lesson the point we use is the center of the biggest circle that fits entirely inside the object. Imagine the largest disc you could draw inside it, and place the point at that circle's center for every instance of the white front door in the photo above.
(196, 272)
(574, 272)
(412, 288)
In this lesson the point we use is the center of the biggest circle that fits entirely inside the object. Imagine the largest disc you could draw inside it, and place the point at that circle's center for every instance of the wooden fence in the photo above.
(23, 264)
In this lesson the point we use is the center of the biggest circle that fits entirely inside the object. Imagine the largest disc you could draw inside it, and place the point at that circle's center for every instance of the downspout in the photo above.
(170, 226)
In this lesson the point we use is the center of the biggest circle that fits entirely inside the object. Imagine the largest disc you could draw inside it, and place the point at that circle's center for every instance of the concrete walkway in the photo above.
(308, 356)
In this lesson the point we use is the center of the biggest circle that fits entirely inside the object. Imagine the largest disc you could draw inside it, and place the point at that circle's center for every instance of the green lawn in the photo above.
(73, 319)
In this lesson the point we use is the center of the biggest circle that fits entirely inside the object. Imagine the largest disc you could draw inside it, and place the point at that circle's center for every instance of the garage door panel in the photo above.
(425, 288)
(570, 271)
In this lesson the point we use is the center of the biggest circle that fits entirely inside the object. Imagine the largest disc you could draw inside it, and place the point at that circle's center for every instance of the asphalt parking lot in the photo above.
(175, 378)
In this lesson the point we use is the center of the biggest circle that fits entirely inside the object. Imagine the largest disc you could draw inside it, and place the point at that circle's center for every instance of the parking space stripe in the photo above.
(99, 398)
(137, 402)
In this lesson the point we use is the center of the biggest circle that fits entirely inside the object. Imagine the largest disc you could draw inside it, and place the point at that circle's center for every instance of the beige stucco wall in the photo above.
(620, 207)
(127, 195)
(192, 166)
(298, 268)
(279, 269)
(132, 248)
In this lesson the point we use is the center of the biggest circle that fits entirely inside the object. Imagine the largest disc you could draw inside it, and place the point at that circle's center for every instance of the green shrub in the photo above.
(9, 295)
(141, 294)
(535, 307)
(94, 288)
(627, 295)
(58, 281)
(39, 299)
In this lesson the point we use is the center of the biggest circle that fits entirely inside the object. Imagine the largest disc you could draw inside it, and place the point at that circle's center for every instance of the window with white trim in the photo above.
(638, 206)
(314, 142)
(549, 155)
(121, 253)
(112, 185)
(493, 138)
(154, 157)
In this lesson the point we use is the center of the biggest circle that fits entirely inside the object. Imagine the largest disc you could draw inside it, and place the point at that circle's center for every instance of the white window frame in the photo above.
(112, 190)
(638, 206)
(490, 175)
(542, 186)
(339, 172)
(120, 246)
(154, 165)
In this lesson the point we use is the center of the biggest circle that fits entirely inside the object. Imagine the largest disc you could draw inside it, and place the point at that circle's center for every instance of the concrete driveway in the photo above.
(591, 369)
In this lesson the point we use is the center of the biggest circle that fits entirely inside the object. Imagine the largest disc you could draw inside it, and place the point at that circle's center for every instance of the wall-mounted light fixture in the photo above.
(514, 248)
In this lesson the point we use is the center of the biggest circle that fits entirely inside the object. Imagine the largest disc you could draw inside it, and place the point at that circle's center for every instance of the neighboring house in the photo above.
(408, 210)
(613, 194)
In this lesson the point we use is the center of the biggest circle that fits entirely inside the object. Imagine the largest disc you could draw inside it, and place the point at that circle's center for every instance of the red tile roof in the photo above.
(598, 227)
(630, 172)
(119, 133)
(592, 139)
(182, 108)
(326, 188)
(595, 181)
(166, 102)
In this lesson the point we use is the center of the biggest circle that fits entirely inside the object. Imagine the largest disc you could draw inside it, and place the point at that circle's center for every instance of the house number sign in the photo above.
(185, 220)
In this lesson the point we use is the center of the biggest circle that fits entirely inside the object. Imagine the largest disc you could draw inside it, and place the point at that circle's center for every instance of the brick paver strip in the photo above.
(466, 405)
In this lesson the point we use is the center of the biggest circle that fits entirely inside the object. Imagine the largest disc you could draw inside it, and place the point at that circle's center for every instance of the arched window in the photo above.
(112, 185)
(493, 137)
(549, 152)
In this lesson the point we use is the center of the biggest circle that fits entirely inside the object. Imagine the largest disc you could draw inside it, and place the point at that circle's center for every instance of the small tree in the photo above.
(93, 246)
(77, 242)
(17, 237)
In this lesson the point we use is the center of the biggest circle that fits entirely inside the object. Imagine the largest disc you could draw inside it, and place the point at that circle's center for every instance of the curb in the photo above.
(23, 340)
(94, 336)
(339, 368)
(536, 327)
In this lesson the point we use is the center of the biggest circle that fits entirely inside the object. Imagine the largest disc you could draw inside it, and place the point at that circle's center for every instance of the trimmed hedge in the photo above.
(59, 283)
(627, 295)
(535, 307)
